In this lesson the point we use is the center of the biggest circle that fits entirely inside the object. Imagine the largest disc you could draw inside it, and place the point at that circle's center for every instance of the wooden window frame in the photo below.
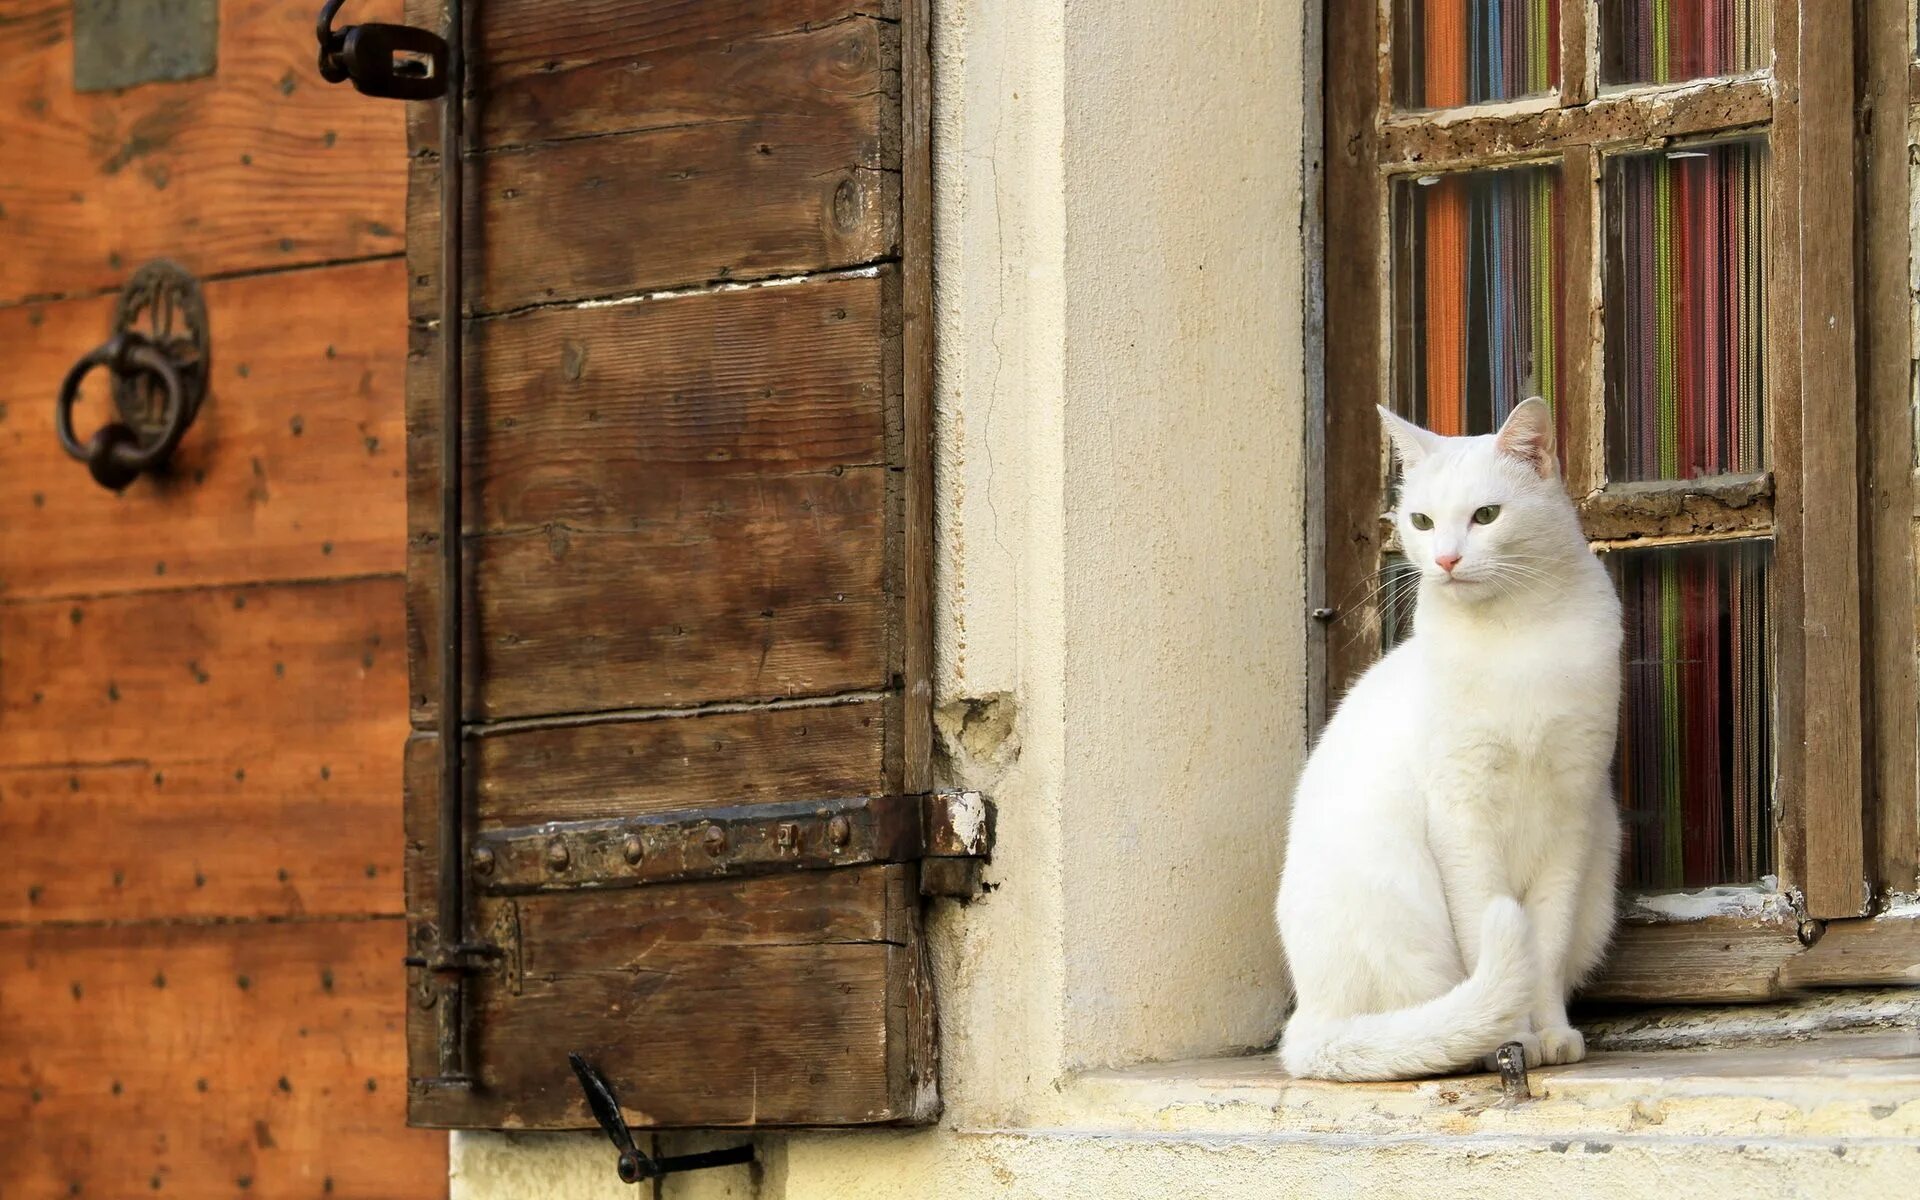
(1838, 500)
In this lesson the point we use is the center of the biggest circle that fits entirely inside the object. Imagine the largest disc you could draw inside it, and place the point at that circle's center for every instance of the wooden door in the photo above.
(203, 689)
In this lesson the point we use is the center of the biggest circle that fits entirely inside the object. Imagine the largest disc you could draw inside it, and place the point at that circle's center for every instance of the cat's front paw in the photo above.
(1561, 1046)
(1530, 1048)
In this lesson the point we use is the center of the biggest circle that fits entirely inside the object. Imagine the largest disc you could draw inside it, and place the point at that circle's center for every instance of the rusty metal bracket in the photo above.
(949, 831)
(957, 842)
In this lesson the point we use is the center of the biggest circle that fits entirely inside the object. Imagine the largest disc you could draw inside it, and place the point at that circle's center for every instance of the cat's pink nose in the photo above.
(1447, 562)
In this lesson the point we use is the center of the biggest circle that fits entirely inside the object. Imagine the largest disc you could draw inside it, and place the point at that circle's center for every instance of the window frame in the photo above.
(1842, 591)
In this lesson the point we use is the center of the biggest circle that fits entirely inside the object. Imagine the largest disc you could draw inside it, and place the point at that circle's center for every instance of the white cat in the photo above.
(1451, 856)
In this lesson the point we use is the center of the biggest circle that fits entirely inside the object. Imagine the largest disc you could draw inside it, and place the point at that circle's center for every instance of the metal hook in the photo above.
(635, 1165)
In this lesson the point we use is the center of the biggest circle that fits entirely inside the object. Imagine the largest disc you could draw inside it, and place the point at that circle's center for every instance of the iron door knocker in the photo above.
(159, 378)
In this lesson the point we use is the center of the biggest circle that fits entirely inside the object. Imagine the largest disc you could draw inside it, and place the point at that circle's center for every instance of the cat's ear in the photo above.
(1528, 436)
(1410, 442)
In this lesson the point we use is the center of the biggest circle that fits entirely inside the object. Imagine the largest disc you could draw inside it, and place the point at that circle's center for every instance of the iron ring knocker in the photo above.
(115, 455)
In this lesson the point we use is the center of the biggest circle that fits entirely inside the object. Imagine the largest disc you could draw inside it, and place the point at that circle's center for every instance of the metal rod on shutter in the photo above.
(401, 62)
(452, 900)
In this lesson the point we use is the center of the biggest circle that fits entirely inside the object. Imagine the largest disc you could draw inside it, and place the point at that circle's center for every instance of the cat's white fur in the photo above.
(1451, 855)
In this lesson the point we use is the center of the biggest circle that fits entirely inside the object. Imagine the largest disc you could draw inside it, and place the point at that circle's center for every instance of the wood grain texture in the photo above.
(549, 69)
(1680, 509)
(580, 772)
(226, 677)
(681, 501)
(1710, 961)
(1355, 343)
(756, 197)
(917, 352)
(1788, 573)
(769, 588)
(293, 469)
(783, 69)
(1832, 725)
(1875, 952)
(314, 831)
(772, 1001)
(1577, 52)
(1581, 408)
(208, 1060)
(260, 166)
(1887, 559)
(1619, 120)
(601, 417)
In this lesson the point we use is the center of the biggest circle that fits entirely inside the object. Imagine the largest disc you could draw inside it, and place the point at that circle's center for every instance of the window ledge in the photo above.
(1842, 1085)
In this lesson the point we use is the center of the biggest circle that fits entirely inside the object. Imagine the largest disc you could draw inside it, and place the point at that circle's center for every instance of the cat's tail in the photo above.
(1443, 1034)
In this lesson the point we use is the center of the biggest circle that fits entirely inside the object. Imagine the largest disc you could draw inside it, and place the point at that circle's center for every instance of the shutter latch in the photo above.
(392, 62)
(635, 1165)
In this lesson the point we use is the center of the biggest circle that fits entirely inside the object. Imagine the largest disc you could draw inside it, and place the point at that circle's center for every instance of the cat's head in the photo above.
(1483, 517)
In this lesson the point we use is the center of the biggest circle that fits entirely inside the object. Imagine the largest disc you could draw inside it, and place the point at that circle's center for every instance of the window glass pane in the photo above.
(1476, 272)
(1686, 249)
(1453, 52)
(1695, 763)
(1661, 41)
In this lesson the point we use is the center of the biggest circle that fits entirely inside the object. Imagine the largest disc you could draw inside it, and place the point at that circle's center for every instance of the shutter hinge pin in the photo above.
(1511, 1058)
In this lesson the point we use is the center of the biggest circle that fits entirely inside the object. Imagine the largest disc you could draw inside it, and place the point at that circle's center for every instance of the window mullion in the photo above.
(1577, 71)
(1819, 181)
(1582, 309)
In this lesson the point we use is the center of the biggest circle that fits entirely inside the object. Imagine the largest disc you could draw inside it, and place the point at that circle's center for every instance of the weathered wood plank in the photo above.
(208, 1060)
(1828, 428)
(1680, 508)
(1718, 959)
(259, 166)
(767, 1001)
(917, 355)
(691, 499)
(1355, 212)
(233, 677)
(761, 196)
(584, 772)
(586, 89)
(1786, 603)
(764, 589)
(1888, 495)
(536, 58)
(600, 417)
(1581, 408)
(1463, 137)
(288, 836)
(294, 468)
(1872, 952)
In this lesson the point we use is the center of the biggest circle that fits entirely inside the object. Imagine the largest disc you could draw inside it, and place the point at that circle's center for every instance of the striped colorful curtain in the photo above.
(1476, 272)
(1453, 52)
(1661, 41)
(1696, 758)
(1686, 280)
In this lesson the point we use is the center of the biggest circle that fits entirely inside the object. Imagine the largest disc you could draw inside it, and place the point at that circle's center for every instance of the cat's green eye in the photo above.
(1420, 520)
(1485, 514)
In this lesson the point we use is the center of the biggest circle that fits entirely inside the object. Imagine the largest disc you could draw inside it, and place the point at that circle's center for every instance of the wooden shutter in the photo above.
(696, 518)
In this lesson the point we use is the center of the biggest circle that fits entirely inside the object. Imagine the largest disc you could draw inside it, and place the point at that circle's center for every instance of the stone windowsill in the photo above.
(1839, 1075)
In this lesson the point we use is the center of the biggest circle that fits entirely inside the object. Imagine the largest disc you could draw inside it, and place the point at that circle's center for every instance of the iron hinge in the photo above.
(949, 832)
